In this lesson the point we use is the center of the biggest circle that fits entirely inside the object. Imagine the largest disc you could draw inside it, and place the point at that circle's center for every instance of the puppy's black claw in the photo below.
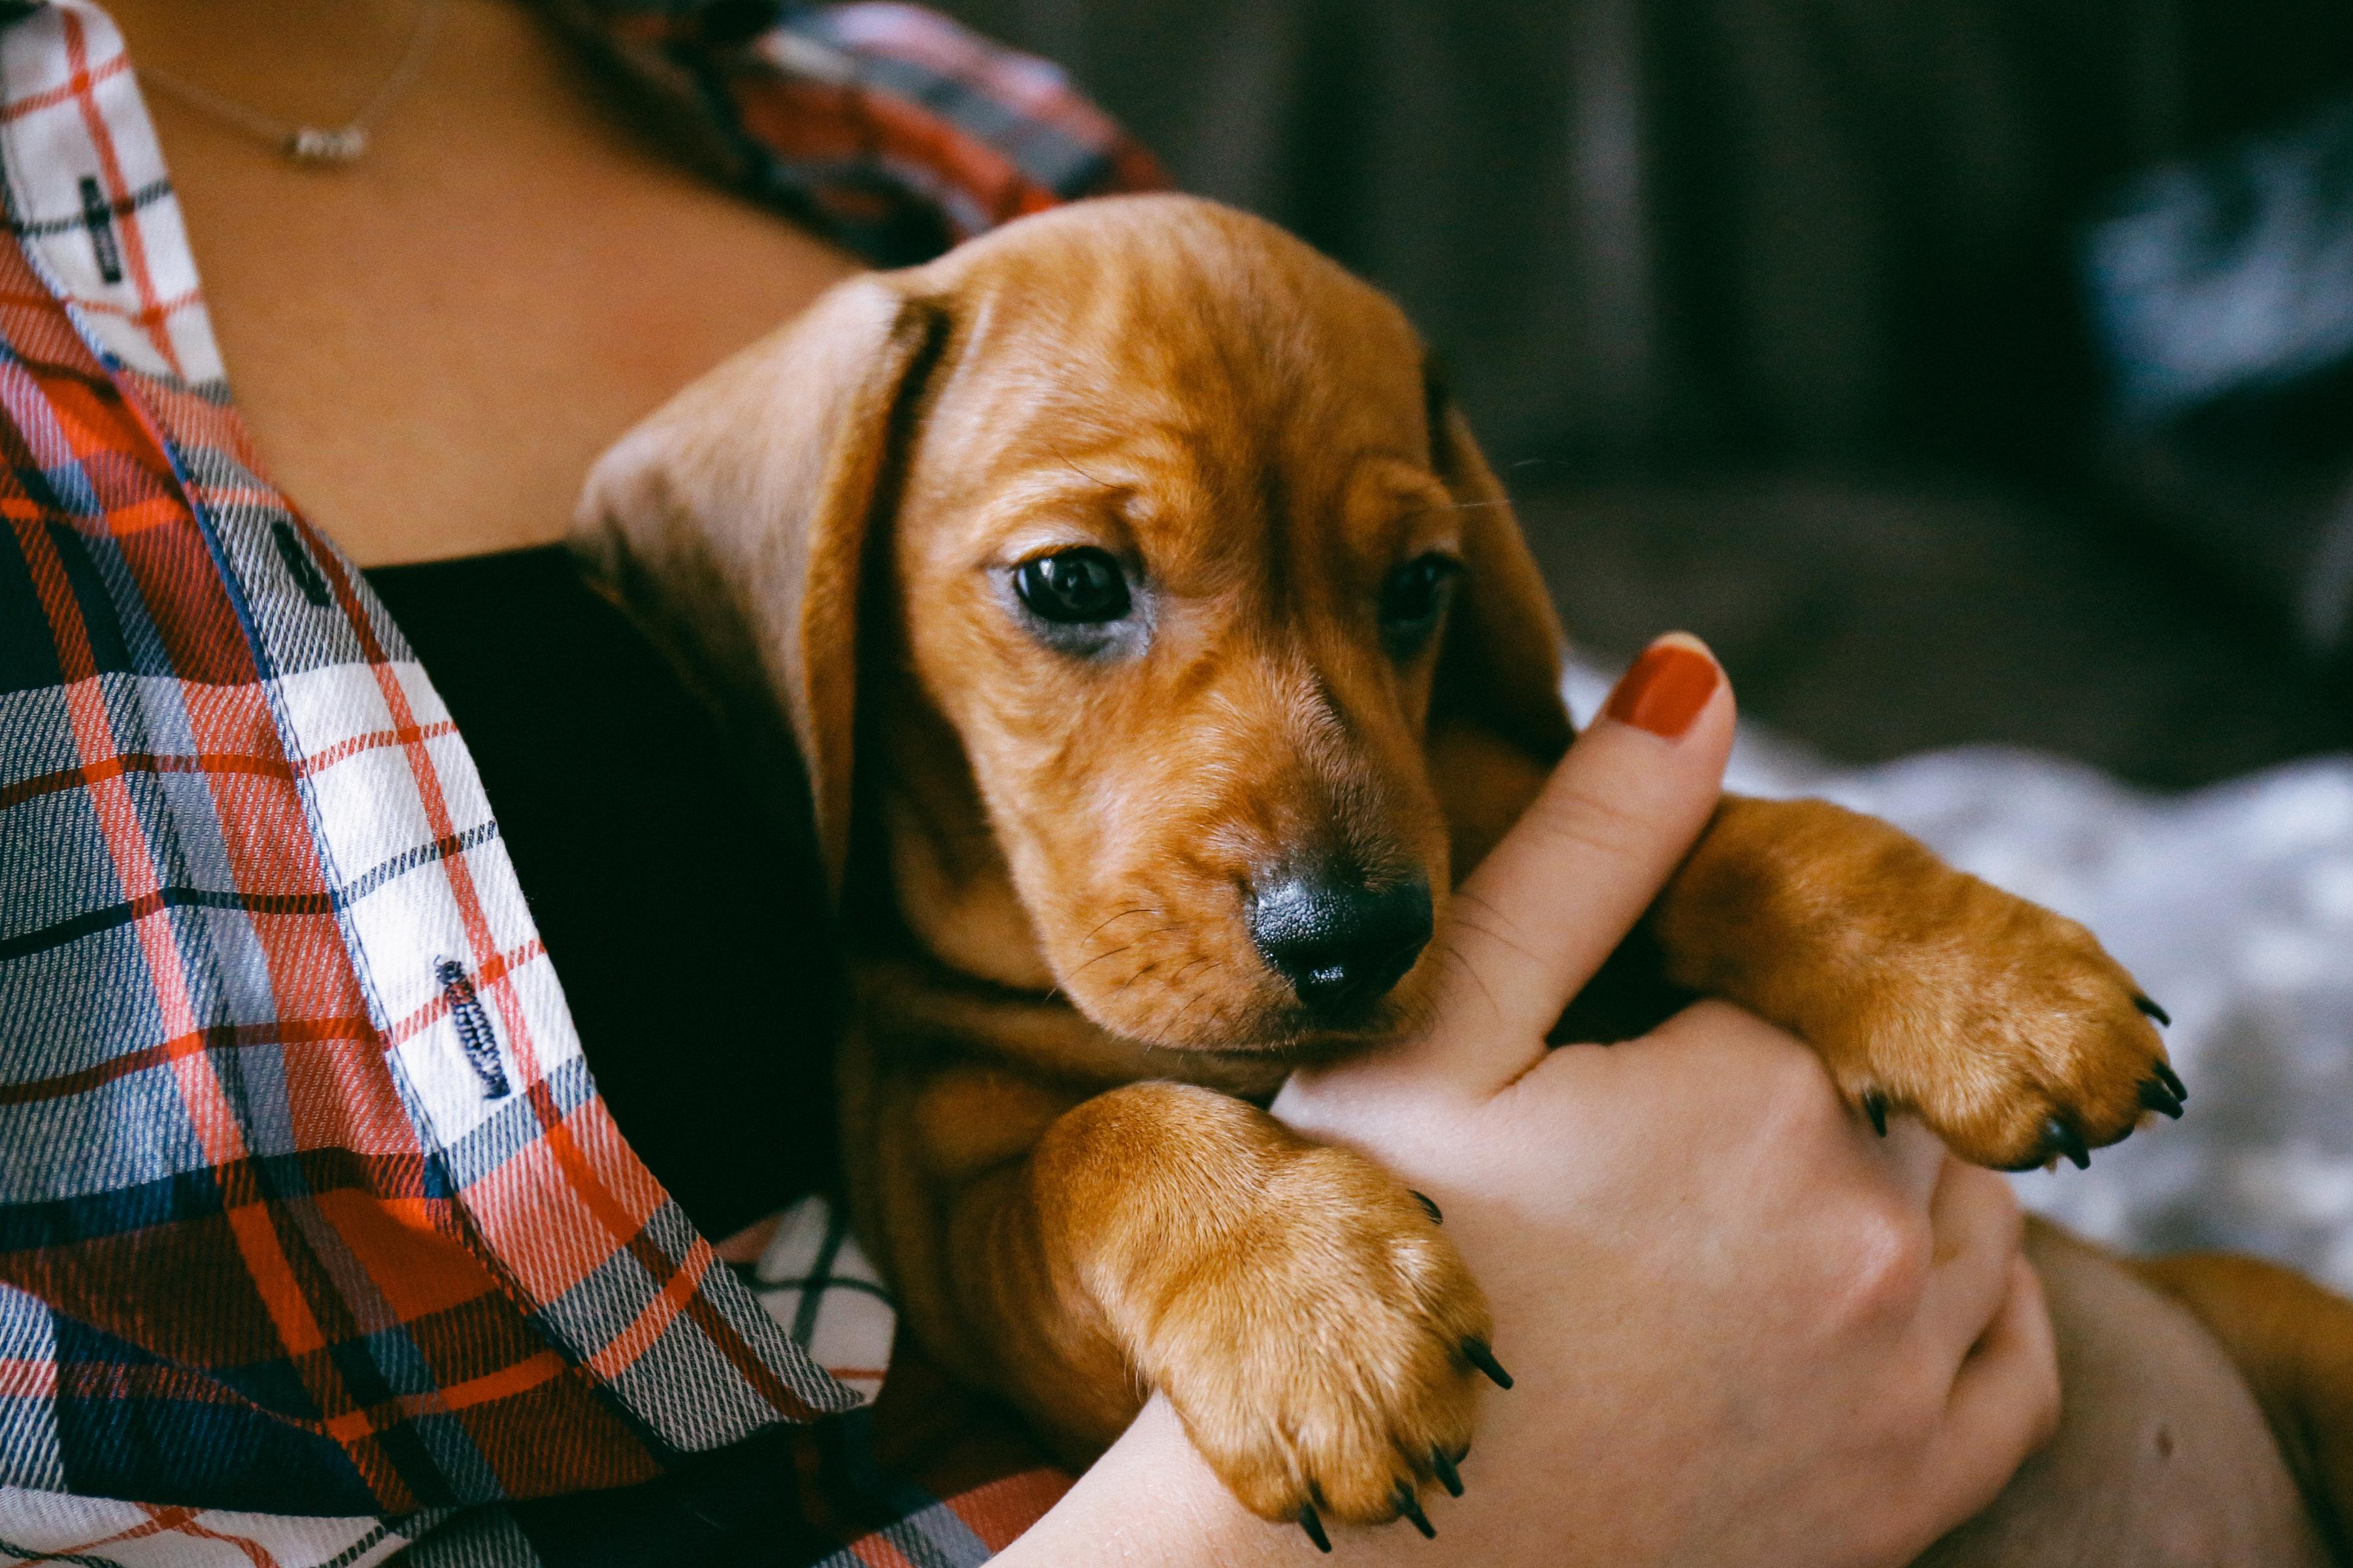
(2154, 1011)
(2156, 1096)
(2172, 1081)
(1409, 1506)
(1875, 1105)
(2060, 1134)
(1476, 1352)
(1448, 1475)
(1427, 1207)
(1313, 1526)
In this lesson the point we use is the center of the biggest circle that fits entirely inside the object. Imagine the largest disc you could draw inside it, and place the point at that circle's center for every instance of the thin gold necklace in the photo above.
(316, 145)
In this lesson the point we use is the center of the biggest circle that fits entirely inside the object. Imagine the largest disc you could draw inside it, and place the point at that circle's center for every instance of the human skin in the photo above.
(431, 346)
(1742, 1329)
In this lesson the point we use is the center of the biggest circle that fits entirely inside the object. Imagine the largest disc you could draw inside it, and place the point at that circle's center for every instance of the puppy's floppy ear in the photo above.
(1496, 721)
(733, 522)
(1500, 668)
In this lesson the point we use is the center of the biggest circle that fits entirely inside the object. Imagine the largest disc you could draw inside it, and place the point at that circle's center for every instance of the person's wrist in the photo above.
(1149, 1500)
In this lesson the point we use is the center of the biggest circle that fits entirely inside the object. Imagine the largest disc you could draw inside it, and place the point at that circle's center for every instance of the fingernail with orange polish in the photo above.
(1665, 689)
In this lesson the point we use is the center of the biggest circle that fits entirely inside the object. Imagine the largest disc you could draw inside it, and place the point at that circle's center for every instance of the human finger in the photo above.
(1559, 893)
(2004, 1404)
(1976, 1225)
(1914, 1158)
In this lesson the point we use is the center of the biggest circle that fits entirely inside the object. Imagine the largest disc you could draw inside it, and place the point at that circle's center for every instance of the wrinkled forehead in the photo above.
(1191, 356)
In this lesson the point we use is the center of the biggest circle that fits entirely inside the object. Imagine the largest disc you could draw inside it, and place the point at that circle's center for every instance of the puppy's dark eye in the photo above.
(1413, 598)
(1073, 587)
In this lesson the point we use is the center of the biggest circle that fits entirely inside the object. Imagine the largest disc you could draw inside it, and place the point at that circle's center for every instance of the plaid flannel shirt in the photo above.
(316, 1242)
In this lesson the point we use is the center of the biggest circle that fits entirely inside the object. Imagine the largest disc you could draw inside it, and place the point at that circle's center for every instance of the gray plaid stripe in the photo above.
(933, 1537)
(296, 636)
(1037, 148)
(29, 1427)
(479, 1537)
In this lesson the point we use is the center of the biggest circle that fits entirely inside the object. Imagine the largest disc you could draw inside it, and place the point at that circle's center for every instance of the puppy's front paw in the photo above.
(1324, 1365)
(2006, 1027)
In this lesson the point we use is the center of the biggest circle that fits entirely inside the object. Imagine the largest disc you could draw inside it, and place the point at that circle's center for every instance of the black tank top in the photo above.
(686, 923)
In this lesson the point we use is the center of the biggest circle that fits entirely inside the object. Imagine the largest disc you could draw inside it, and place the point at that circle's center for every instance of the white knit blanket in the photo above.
(2234, 906)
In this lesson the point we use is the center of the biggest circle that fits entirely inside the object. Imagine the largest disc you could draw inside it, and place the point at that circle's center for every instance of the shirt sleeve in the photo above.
(887, 128)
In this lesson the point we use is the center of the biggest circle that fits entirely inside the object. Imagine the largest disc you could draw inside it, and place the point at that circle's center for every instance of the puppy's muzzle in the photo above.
(1341, 942)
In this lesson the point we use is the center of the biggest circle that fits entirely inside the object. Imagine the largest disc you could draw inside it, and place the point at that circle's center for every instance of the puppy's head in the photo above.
(1137, 554)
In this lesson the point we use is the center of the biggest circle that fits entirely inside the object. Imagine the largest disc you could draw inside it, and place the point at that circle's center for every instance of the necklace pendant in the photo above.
(310, 144)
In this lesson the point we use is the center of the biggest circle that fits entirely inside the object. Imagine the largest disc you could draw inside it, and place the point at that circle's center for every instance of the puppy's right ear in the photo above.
(733, 522)
(1497, 723)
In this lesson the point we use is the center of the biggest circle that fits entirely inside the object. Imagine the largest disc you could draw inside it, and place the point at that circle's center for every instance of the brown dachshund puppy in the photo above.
(1187, 651)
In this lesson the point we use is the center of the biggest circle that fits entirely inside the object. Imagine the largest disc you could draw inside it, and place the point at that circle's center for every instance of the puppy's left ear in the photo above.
(734, 524)
(1497, 722)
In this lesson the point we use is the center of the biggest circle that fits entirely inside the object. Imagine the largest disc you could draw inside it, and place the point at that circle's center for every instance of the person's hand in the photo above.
(1744, 1331)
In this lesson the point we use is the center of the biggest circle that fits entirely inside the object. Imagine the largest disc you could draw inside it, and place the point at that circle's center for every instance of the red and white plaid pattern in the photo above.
(308, 1204)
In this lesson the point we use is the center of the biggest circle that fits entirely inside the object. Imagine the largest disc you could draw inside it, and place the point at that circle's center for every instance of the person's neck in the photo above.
(311, 62)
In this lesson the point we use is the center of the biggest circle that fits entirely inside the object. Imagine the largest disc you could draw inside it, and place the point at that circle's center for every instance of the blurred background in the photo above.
(1963, 370)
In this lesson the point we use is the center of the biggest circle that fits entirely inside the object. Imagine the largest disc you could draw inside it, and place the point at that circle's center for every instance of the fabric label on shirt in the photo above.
(99, 218)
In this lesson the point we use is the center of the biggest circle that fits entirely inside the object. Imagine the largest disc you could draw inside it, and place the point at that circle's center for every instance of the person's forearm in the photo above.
(1150, 1502)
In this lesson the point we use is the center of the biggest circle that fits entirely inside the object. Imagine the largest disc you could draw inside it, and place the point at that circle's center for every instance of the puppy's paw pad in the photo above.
(1334, 1370)
(2015, 1038)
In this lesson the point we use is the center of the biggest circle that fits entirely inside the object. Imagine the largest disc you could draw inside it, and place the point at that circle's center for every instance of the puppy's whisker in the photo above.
(1490, 933)
(1200, 992)
(1082, 472)
(1179, 978)
(1114, 920)
(1156, 931)
(1456, 506)
(1455, 957)
(1097, 957)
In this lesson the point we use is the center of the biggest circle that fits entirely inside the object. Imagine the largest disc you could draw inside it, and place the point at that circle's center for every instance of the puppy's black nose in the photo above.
(1341, 944)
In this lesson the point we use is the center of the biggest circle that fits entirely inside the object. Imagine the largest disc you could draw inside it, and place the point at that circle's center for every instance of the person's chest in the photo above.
(430, 346)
